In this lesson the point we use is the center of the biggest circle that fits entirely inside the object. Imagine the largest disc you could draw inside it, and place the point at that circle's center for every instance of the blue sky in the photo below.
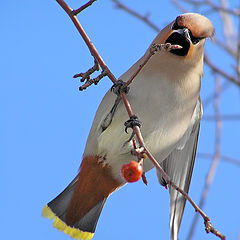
(48, 121)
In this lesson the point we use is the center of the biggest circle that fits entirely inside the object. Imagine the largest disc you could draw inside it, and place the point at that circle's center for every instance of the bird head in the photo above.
(189, 30)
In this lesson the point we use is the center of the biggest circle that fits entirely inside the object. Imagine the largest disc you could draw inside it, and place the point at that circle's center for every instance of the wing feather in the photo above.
(179, 166)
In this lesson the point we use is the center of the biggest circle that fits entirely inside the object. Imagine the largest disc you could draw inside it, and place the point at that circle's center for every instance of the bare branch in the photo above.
(209, 228)
(238, 52)
(86, 39)
(223, 118)
(227, 24)
(88, 73)
(77, 11)
(211, 97)
(179, 6)
(226, 48)
(137, 15)
(87, 76)
(96, 80)
(153, 49)
(222, 157)
(209, 3)
(221, 72)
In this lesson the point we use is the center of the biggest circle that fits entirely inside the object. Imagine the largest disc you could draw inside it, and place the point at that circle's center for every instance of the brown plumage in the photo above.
(200, 27)
(94, 184)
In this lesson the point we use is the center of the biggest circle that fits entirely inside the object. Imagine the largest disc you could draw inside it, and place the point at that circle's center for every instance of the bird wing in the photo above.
(179, 166)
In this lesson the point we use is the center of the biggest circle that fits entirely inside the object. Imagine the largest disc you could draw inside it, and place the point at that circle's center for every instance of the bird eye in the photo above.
(195, 40)
(175, 26)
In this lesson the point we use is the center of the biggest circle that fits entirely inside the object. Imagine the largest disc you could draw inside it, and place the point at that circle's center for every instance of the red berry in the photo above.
(132, 171)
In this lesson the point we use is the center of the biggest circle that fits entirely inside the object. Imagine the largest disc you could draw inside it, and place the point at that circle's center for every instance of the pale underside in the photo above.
(164, 106)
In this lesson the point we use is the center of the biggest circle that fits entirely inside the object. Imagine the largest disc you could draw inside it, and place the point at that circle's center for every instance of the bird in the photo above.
(165, 95)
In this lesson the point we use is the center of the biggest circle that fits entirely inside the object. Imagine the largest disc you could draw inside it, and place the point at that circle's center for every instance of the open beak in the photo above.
(180, 37)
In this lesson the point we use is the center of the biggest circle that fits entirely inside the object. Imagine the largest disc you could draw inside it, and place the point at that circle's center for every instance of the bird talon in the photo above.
(119, 87)
(132, 122)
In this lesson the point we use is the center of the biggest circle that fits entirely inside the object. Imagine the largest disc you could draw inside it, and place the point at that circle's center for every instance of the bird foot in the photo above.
(131, 123)
(119, 87)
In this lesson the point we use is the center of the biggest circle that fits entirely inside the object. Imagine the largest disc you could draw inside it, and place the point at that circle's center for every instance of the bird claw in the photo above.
(132, 122)
(119, 87)
(164, 183)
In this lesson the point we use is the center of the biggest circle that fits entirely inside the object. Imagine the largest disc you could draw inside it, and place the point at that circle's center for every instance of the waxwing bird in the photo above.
(165, 97)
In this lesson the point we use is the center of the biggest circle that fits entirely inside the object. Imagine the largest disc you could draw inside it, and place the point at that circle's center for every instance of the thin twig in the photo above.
(152, 50)
(88, 73)
(235, 12)
(227, 25)
(95, 81)
(232, 52)
(222, 157)
(221, 72)
(215, 161)
(238, 52)
(223, 118)
(210, 98)
(77, 11)
(143, 18)
(179, 6)
(86, 39)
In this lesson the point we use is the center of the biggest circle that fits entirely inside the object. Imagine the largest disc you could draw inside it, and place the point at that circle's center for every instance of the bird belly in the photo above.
(165, 117)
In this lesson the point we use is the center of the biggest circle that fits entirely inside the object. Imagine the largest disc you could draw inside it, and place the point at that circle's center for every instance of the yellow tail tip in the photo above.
(47, 212)
(60, 225)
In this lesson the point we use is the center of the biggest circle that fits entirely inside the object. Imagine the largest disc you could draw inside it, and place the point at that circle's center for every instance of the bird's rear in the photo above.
(76, 210)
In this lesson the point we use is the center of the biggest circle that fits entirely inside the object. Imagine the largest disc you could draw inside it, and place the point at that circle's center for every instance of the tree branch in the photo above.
(221, 72)
(86, 39)
(222, 157)
(143, 18)
(223, 118)
(209, 3)
(77, 11)
(226, 48)
(154, 48)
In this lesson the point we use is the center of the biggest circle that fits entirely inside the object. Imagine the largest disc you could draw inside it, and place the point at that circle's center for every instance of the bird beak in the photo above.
(182, 38)
(189, 31)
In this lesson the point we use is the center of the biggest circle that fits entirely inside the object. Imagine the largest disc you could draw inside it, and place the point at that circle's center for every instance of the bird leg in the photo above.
(108, 119)
(130, 123)
(119, 87)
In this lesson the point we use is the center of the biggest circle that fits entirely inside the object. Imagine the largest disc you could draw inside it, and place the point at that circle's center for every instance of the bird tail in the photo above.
(84, 228)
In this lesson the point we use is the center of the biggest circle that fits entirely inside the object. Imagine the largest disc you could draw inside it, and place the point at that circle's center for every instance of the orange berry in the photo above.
(132, 171)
